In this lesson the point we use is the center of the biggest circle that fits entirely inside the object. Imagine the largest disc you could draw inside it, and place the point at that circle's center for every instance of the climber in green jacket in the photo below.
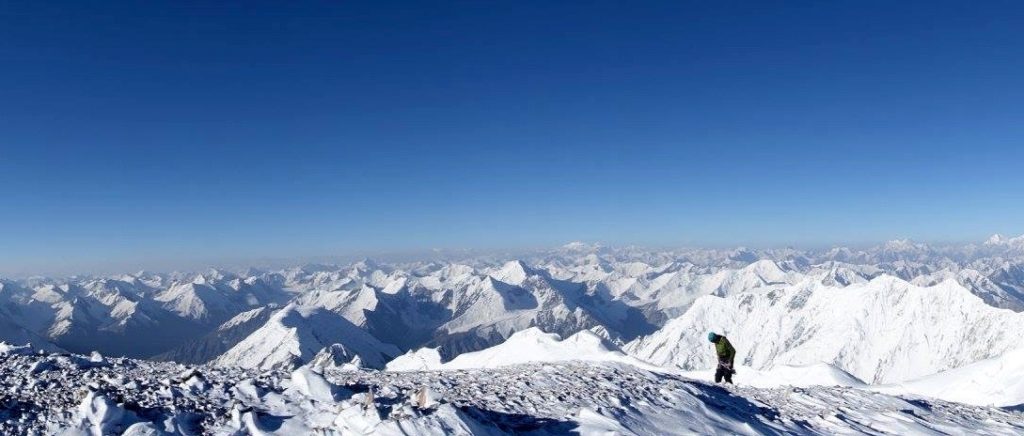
(726, 353)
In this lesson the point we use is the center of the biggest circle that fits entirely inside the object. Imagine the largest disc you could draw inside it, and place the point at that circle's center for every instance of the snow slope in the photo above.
(527, 346)
(294, 335)
(998, 381)
(882, 331)
(821, 374)
(424, 359)
(15, 334)
(219, 341)
(533, 345)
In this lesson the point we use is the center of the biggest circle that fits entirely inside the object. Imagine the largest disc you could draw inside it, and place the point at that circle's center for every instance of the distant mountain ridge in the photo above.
(468, 304)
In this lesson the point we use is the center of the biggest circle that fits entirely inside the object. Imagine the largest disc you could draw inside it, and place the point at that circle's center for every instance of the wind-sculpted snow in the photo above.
(885, 330)
(69, 394)
(821, 374)
(75, 395)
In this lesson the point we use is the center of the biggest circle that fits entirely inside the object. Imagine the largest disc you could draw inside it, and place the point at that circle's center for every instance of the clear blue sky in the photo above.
(137, 131)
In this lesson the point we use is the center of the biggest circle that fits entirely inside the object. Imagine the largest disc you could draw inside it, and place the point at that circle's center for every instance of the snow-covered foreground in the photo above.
(998, 381)
(820, 374)
(70, 394)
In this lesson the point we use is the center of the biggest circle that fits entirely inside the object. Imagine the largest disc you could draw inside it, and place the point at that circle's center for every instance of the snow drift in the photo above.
(527, 346)
(821, 374)
(998, 381)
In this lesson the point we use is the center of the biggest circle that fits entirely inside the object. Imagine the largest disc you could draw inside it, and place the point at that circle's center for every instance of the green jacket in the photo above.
(726, 353)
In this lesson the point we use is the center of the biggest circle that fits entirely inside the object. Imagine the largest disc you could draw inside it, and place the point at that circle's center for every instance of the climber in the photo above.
(726, 353)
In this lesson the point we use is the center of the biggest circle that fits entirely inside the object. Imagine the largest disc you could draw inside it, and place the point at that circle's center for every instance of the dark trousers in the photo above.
(723, 373)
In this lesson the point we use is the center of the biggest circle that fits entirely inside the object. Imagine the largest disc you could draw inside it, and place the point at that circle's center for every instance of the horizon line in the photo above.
(118, 267)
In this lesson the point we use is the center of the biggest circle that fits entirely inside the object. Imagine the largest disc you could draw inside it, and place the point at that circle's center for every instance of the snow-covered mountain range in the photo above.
(467, 304)
(901, 318)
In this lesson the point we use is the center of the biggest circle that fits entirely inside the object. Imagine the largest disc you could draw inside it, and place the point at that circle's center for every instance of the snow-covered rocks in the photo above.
(358, 416)
(100, 412)
(336, 357)
(97, 415)
(96, 357)
(248, 422)
(194, 382)
(10, 349)
(135, 398)
(313, 385)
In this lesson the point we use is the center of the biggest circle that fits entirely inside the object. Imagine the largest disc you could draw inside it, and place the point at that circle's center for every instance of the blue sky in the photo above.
(144, 131)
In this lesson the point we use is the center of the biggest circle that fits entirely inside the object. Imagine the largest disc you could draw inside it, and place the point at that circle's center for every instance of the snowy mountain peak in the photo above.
(998, 240)
(514, 272)
(295, 334)
(900, 245)
(532, 335)
(580, 246)
(767, 269)
(424, 359)
(995, 239)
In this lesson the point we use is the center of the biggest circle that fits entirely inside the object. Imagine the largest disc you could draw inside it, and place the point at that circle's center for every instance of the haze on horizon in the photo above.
(171, 133)
(199, 264)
